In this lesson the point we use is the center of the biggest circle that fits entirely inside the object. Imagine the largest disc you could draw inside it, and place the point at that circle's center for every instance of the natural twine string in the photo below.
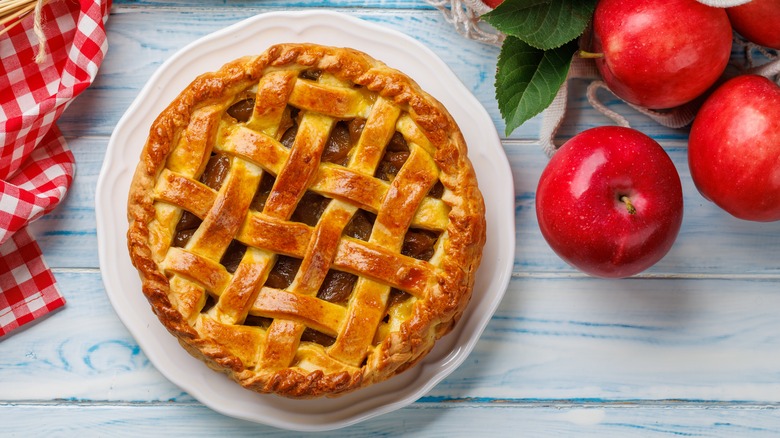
(13, 11)
(38, 29)
(769, 69)
(464, 15)
(679, 117)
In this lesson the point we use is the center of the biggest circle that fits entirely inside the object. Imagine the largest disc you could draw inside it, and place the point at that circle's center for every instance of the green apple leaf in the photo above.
(527, 79)
(544, 24)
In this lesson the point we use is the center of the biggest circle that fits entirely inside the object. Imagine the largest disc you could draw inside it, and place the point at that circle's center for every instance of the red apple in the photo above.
(734, 148)
(492, 3)
(758, 21)
(610, 202)
(660, 53)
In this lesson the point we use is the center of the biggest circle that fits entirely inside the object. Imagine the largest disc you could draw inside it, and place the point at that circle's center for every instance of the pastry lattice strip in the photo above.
(253, 148)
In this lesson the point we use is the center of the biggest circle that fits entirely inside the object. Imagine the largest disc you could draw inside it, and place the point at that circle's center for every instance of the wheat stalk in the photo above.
(12, 11)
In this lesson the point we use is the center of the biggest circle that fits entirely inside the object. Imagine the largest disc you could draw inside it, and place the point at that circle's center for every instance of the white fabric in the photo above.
(769, 69)
(552, 117)
(582, 68)
(723, 3)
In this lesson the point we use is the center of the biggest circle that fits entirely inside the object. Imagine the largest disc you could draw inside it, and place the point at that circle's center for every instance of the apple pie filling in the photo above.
(337, 286)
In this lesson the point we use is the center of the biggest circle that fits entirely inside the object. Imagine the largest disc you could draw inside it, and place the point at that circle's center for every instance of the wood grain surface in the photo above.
(691, 347)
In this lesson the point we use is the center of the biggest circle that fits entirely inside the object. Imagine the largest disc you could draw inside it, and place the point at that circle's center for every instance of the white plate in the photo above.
(253, 36)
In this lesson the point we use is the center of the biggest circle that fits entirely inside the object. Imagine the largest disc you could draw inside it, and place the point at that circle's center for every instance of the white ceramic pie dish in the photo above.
(250, 36)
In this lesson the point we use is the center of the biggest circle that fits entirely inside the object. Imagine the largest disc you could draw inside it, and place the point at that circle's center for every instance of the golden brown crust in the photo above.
(240, 351)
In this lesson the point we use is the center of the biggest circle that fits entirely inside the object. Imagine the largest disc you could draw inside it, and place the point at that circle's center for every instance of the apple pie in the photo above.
(306, 220)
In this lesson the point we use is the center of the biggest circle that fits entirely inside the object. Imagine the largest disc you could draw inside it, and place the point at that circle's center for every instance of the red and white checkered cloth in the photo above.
(36, 167)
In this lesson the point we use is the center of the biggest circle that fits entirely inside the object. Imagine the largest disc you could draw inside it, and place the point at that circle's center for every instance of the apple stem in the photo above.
(590, 55)
(629, 206)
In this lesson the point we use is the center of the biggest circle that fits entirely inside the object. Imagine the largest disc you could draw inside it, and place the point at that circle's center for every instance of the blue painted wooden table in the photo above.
(690, 347)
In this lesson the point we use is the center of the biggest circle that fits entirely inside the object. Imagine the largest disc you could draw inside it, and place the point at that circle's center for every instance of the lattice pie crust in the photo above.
(306, 221)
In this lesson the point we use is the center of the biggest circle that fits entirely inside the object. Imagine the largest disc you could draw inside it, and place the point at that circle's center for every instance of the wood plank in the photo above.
(140, 43)
(711, 242)
(289, 4)
(67, 235)
(638, 339)
(80, 352)
(413, 16)
(439, 420)
(581, 115)
(552, 338)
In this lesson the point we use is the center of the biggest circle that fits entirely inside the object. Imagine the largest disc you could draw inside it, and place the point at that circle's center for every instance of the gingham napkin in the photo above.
(36, 167)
